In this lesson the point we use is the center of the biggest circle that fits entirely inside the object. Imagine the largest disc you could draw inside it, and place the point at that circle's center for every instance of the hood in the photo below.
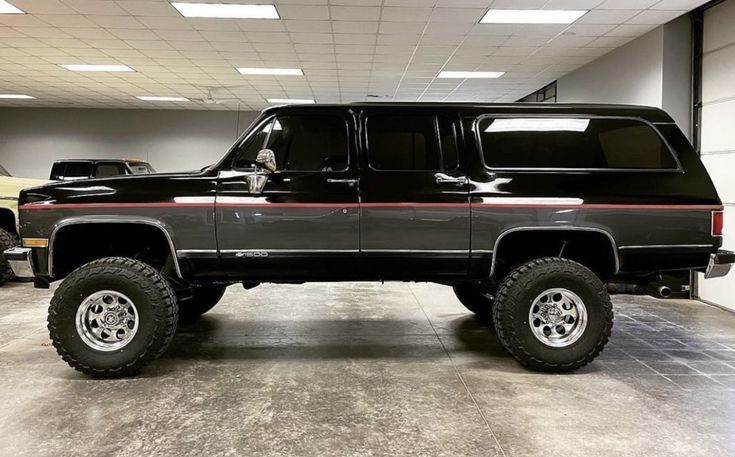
(10, 186)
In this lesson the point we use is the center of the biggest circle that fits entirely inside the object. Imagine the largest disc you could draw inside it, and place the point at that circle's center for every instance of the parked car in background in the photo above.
(73, 169)
(10, 187)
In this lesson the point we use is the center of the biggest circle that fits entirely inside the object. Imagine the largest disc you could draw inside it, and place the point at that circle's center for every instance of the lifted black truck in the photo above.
(526, 210)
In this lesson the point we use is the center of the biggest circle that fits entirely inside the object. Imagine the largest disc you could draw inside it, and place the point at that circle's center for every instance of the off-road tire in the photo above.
(515, 297)
(157, 313)
(201, 300)
(7, 241)
(476, 299)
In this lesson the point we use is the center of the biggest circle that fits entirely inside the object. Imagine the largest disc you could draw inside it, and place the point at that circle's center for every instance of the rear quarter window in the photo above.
(572, 144)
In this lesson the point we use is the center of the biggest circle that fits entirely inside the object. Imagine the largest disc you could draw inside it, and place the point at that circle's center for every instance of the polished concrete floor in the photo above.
(372, 370)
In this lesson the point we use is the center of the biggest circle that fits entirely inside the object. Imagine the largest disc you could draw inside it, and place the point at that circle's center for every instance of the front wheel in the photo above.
(7, 241)
(553, 314)
(111, 317)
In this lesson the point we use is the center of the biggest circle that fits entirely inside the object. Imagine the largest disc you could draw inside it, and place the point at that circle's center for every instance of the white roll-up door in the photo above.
(718, 131)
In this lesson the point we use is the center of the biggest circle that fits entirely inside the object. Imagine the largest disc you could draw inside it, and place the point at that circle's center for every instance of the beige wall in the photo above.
(718, 137)
(652, 70)
(32, 138)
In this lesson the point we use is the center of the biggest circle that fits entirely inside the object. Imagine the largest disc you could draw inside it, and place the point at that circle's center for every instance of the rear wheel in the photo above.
(111, 317)
(553, 314)
(201, 300)
(7, 241)
(478, 299)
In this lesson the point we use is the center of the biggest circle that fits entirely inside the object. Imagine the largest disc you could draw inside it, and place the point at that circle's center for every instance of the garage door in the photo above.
(718, 124)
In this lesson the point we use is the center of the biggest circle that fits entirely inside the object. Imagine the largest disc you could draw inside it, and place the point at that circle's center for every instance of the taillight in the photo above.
(718, 221)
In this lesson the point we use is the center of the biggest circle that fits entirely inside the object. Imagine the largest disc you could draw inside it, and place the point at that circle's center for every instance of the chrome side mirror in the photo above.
(256, 182)
(267, 160)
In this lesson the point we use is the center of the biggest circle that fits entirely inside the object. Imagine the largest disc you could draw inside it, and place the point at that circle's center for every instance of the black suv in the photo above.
(73, 169)
(526, 210)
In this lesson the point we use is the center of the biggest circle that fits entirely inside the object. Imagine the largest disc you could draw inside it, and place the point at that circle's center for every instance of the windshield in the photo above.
(3, 171)
(141, 168)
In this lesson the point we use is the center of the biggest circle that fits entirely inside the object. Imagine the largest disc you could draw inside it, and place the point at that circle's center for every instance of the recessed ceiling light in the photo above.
(271, 71)
(470, 74)
(147, 98)
(290, 101)
(17, 97)
(219, 10)
(495, 16)
(7, 8)
(79, 67)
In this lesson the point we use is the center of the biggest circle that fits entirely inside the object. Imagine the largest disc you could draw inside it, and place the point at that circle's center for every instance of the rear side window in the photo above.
(411, 143)
(573, 143)
(107, 169)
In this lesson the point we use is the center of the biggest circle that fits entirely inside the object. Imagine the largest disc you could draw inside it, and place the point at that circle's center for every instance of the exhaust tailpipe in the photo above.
(658, 290)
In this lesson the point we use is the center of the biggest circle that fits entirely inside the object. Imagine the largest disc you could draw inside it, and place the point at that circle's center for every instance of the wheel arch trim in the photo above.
(613, 243)
(83, 220)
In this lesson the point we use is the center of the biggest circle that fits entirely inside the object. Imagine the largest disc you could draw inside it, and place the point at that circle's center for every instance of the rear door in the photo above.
(304, 225)
(415, 213)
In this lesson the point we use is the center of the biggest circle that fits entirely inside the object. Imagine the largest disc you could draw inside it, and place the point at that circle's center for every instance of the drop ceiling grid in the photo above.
(349, 50)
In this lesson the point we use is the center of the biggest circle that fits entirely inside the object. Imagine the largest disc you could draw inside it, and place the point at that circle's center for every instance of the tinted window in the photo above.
(300, 143)
(403, 143)
(104, 170)
(140, 168)
(77, 170)
(3, 171)
(572, 143)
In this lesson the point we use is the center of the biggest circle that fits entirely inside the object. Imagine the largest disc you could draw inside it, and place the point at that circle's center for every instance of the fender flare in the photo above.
(613, 243)
(111, 220)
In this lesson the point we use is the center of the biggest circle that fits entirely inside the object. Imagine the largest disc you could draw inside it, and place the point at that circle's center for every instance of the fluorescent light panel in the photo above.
(150, 98)
(470, 74)
(495, 16)
(290, 101)
(271, 71)
(16, 97)
(225, 11)
(538, 125)
(7, 8)
(110, 68)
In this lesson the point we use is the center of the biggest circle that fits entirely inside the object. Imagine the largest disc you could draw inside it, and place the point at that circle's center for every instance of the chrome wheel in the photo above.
(557, 317)
(107, 320)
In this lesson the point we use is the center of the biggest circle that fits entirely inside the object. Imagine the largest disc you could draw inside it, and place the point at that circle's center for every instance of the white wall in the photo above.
(718, 136)
(652, 70)
(32, 138)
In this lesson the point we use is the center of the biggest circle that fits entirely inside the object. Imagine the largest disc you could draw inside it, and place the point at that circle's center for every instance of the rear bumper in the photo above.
(719, 264)
(20, 261)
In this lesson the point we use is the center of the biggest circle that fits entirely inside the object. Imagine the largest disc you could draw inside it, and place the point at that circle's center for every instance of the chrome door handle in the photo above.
(350, 182)
(441, 178)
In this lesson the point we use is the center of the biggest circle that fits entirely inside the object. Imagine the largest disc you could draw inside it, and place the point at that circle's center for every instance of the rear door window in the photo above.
(411, 143)
(572, 143)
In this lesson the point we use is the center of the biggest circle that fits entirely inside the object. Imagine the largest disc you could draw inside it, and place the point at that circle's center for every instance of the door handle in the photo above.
(441, 178)
(350, 182)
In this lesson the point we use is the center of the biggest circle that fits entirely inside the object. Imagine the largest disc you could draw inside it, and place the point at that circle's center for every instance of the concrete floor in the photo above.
(369, 369)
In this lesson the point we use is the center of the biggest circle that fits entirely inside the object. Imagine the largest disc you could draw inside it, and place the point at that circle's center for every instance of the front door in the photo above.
(415, 212)
(305, 223)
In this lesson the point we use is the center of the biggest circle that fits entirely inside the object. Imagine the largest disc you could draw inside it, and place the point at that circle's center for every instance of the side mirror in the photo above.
(267, 160)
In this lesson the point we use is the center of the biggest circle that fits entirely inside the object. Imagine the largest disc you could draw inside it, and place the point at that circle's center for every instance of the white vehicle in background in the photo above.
(10, 187)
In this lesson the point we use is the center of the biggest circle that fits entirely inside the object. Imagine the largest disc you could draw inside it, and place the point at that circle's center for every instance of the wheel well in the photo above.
(7, 221)
(593, 249)
(77, 244)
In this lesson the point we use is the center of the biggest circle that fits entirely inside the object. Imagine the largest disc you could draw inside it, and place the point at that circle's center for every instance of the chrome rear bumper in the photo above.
(20, 261)
(719, 264)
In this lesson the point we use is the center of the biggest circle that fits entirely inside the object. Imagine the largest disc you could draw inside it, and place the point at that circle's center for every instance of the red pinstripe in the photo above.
(38, 206)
